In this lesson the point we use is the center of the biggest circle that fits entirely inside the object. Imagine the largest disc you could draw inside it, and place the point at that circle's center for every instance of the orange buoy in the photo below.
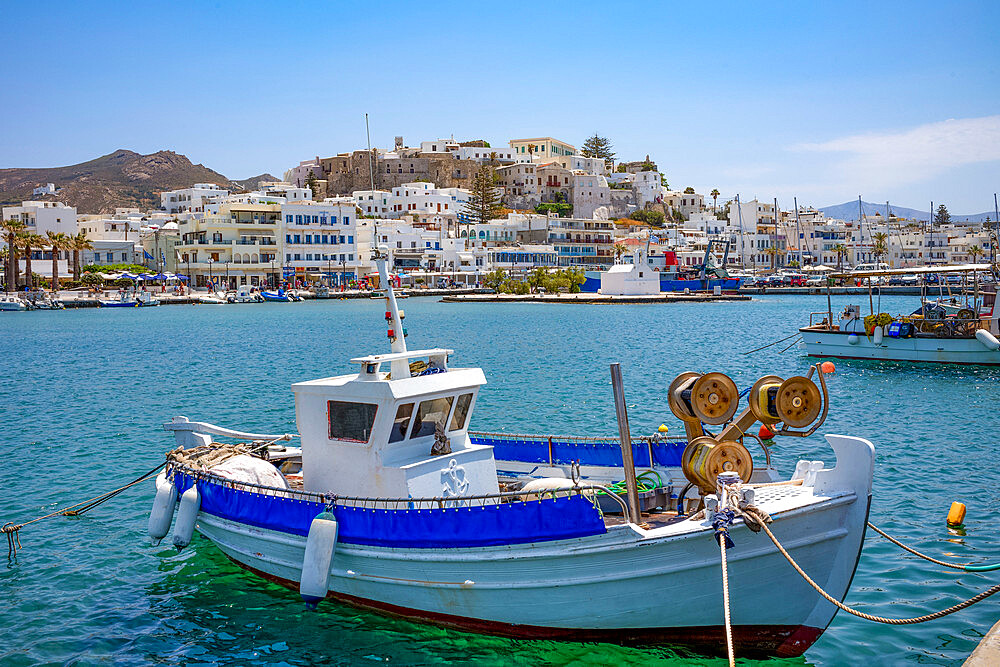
(828, 367)
(765, 433)
(956, 515)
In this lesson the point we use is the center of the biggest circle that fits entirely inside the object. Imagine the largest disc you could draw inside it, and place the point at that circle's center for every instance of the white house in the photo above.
(191, 199)
(43, 216)
(325, 239)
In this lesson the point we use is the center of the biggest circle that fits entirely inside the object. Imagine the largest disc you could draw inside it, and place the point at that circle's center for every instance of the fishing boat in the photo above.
(390, 503)
(9, 302)
(941, 330)
(130, 299)
(707, 276)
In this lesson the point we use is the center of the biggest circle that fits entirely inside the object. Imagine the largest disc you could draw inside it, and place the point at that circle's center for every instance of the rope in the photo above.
(877, 619)
(723, 545)
(757, 349)
(956, 566)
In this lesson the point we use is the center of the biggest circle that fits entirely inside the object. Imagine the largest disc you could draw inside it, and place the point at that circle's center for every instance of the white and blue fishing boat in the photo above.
(939, 331)
(276, 295)
(130, 299)
(389, 502)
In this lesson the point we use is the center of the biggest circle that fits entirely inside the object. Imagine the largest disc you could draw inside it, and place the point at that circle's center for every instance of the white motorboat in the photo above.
(213, 299)
(9, 302)
(244, 294)
(398, 508)
(940, 331)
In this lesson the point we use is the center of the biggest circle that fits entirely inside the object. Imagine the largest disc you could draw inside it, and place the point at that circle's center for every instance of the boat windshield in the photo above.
(351, 421)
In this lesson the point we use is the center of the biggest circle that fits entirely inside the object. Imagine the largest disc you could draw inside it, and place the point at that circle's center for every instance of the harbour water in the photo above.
(85, 393)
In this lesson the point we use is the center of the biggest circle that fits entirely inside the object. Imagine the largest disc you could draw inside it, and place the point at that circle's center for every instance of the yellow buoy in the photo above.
(956, 515)
(663, 428)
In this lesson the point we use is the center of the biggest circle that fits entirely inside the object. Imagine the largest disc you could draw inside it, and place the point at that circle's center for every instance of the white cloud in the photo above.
(924, 152)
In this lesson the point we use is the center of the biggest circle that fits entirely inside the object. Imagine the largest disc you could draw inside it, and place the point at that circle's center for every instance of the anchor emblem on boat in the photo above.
(455, 483)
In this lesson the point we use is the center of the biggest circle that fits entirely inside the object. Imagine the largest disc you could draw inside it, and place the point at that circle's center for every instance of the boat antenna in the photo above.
(996, 239)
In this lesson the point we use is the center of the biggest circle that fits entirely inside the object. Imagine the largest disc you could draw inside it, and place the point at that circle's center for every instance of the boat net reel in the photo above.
(712, 399)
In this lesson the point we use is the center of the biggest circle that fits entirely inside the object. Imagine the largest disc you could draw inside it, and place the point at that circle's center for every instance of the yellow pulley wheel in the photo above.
(758, 399)
(677, 404)
(714, 398)
(798, 401)
(704, 458)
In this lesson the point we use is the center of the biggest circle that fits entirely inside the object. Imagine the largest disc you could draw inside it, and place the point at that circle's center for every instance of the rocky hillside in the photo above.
(122, 179)
(254, 182)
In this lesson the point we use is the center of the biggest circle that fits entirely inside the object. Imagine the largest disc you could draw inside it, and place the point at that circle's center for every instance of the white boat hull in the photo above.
(837, 344)
(627, 585)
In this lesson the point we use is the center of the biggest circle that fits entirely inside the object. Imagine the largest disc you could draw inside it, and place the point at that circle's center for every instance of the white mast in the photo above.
(397, 341)
(798, 230)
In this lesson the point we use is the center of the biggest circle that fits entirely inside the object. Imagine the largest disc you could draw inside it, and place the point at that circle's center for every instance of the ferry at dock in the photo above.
(388, 501)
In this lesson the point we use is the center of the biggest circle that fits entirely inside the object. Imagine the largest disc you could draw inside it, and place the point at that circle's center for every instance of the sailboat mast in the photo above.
(798, 230)
(774, 237)
(888, 234)
(371, 178)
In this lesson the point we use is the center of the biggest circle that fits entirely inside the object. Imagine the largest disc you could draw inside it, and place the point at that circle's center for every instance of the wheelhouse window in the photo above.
(430, 413)
(351, 421)
(401, 423)
(461, 412)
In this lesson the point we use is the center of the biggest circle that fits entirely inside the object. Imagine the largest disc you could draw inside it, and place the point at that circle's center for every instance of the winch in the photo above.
(712, 399)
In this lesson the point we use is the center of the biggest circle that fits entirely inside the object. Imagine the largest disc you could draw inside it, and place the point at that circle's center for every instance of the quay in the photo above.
(590, 297)
(903, 290)
(987, 654)
(75, 300)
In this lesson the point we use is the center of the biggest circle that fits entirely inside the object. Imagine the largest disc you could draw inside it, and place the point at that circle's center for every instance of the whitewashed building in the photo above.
(41, 217)
(191, 199)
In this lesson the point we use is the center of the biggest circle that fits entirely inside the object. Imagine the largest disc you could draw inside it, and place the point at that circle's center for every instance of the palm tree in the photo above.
(12, 228)
(975, 251)
(57, 241)
(29, 240)
(80, 242)
(619, 249)
(841, 251)
(715, 198)
(881, 244)
(772, 253)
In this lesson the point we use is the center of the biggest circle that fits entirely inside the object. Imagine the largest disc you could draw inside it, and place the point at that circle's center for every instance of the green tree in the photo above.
(57, 241)
(12, 228)
(313, 184)
(484, 197)
(92, 280)
(598, 146)
(881, 247)
(28, 241)
(576, 277)
(80, 242)
(974, 252)
(649, 216)
(689, 190)
(715, 198)
(621, 169)
(841, 251)
(942, 217)
(537, 278)
(495, 279)
(619, 250)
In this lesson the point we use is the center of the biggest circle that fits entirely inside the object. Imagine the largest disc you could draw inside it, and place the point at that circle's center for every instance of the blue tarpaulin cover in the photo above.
(507, 523)
(528, 450)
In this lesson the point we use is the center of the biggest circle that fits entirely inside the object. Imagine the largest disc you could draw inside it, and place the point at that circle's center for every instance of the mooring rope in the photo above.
(725, 542)
(840, 605)
(957, 566)
(757, 349)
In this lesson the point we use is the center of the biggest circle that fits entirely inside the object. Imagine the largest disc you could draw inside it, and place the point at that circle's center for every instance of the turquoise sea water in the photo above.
(85, 392)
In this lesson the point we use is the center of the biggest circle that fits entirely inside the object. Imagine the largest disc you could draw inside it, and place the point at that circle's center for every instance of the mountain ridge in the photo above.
(849, 211)
(120, 179)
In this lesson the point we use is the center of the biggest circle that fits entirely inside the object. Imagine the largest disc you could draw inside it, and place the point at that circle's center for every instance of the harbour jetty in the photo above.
(585, 297)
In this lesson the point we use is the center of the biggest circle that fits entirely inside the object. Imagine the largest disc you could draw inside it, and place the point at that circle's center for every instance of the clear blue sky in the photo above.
(897, 101)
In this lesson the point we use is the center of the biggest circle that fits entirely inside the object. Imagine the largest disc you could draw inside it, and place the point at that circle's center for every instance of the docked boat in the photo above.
(130, 299)
(390, 503)
(9, 302)
(707, 276)
(244, 294)
(276, 295)
(213, 299)
(944, 330)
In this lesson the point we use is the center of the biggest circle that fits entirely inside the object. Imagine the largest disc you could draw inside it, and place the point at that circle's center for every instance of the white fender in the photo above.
(988, 340)
(877, 336)
(164, 504)
(314, 582)
(187, 516)
(852, 339)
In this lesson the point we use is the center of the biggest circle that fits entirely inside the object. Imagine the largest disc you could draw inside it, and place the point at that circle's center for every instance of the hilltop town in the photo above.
(459, 210)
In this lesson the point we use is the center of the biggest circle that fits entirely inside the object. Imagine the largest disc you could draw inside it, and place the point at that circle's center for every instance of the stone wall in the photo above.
(349, 172)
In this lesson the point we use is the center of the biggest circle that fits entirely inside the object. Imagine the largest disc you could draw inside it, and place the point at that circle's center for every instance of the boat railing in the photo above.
(331, 500)
(824, 313)
(655, 438)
